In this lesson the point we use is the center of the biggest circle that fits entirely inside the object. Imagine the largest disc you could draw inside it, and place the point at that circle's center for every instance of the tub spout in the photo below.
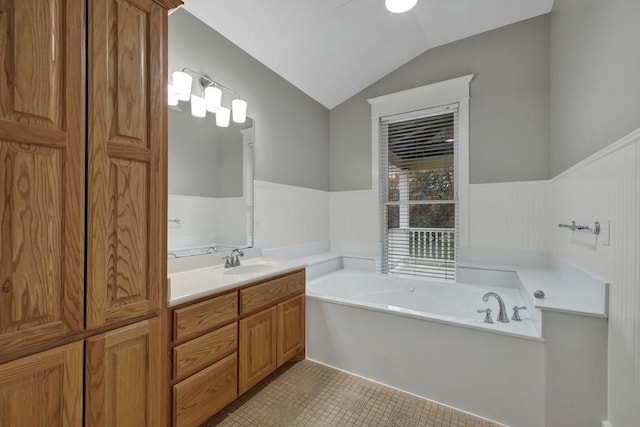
(502, 315)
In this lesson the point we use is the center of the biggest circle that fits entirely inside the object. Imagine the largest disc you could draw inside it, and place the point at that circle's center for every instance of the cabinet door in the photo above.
(290, 328)
(126, 160)
(123, 377)
(43, 390)
(41, 172)
(257, 348)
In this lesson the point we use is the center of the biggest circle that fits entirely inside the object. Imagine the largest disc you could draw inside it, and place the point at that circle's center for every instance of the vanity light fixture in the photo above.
(212, 100)
(182, 85)
(198, 106)
(239, 108)
(213, 97)
(222, 117)
(400, 6)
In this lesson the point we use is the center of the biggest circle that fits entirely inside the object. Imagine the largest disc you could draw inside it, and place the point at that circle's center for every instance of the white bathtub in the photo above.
(425, 337)
(453, 303)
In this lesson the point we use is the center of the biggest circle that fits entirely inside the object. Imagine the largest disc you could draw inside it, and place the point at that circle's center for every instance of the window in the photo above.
(425, 101)
(418, 164)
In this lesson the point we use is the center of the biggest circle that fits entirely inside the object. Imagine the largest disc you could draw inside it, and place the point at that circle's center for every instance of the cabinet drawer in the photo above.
(204, 316)
(200, 396)
(268, 293)
(196, 354)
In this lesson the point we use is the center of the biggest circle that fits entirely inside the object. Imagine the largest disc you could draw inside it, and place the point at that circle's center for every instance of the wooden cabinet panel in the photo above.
(43, 390)
(257, 352)
(291, 331)
(200, 396)
(194, 355)
(42, 173)
(126, 160)
(123, 369)
(268, 293)
(202, 317)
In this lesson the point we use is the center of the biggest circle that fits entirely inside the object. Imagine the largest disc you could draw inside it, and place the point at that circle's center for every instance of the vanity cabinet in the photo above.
(223, 345)
(291, 328)
(83, 147)
(258, 340)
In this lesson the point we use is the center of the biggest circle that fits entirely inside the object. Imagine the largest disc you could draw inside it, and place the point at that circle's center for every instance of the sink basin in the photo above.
(248, 269)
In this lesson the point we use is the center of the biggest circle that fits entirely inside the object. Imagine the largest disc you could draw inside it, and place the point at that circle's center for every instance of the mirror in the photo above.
(210, 207)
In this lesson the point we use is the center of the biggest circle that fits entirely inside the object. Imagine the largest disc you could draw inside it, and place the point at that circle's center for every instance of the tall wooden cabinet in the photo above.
(126, 157)
(83, 185)
(42, 158)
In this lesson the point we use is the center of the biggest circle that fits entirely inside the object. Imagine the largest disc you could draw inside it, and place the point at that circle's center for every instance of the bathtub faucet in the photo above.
(502, 315)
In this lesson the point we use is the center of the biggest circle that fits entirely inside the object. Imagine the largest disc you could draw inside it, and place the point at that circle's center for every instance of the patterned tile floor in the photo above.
(309, 394)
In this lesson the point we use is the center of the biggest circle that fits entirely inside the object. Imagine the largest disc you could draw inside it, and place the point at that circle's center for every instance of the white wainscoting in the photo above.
(354, 222)
(606, 187)
(288, 215)
(512, 215)
(509, 215)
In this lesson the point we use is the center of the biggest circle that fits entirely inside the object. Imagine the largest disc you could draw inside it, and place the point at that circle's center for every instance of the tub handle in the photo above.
(487, 317)
(516, 315)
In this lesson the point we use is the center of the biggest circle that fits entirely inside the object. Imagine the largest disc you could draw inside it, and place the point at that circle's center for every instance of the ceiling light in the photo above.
(222, 117)
(213, 98)
(239, 108)
(172, 99)
(198, 106)
(400, 6)
(182, 85)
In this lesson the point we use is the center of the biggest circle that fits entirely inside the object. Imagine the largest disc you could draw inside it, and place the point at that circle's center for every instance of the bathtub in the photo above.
(434, 300)
(426, 337)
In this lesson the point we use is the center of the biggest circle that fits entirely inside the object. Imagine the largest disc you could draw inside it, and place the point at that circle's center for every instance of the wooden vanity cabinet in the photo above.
(272, 336)
(83, 112)
(258, 342)
(291, 329)
(225, 344)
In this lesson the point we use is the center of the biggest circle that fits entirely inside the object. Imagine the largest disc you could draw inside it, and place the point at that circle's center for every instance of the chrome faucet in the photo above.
(502, 315)
(233, 260)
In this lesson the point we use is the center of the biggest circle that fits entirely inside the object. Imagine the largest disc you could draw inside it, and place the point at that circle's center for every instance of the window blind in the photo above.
(418, 164)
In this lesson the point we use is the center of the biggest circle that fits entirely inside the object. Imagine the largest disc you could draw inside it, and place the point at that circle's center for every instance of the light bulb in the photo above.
(172, 99)
(399, 6)
(182, 85)
(213, 98)
(222, 117)
(239, 108)
(198, 106)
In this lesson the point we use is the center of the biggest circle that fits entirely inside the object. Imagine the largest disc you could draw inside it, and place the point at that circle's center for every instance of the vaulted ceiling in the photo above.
(332, 49)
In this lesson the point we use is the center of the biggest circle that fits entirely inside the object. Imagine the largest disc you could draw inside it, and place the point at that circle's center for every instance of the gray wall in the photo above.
(509, 108)
(292, 130)
(595, 67)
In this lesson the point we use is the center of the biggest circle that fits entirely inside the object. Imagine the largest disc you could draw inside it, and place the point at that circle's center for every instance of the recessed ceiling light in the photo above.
(400, 6)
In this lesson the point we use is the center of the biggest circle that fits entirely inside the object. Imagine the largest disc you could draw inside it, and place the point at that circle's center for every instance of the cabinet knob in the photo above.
(6, 287)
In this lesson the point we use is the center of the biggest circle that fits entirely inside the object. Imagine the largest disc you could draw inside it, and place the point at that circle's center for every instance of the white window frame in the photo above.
(422, 98)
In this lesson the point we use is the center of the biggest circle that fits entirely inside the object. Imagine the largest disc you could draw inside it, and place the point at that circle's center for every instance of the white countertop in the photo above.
(193, 284)
(567, 289)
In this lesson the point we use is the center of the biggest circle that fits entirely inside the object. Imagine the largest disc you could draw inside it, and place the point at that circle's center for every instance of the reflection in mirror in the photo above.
(210, 185)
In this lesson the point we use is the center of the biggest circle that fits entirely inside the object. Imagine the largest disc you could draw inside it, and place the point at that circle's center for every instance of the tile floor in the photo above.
(308, 394)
